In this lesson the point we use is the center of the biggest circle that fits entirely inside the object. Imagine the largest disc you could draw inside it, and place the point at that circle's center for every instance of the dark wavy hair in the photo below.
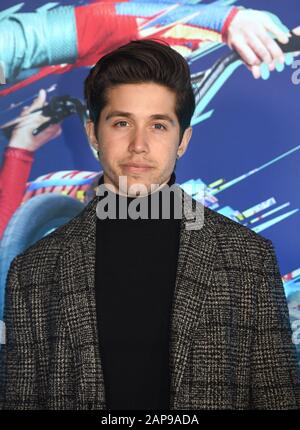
(141, 61)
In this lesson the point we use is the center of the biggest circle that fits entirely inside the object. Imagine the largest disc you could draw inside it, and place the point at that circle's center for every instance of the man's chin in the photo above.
(137, 186)
(138, 189)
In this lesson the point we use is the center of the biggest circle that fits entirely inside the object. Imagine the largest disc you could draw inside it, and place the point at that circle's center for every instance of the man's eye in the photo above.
(120, 122)
(163, 127)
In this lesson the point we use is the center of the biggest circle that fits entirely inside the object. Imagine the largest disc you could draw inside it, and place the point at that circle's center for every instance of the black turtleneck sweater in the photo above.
(136, 262)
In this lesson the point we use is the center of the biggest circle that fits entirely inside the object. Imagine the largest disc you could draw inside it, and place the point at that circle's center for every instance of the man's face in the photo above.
(138, 135)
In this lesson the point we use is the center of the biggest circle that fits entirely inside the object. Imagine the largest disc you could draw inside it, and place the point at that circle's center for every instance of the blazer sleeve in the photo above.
(275, 380)
(18, 377)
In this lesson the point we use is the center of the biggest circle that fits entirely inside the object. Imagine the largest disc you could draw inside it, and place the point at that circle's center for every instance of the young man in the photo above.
(124, 313)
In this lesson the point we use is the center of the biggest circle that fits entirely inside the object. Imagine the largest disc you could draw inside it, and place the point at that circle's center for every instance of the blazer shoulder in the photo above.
(39, 260)
(234, 235)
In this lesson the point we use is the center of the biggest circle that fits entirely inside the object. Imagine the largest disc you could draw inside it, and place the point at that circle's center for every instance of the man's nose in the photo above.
(139, 141)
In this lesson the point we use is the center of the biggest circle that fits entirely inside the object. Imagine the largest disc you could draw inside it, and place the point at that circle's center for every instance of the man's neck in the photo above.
(103, 181)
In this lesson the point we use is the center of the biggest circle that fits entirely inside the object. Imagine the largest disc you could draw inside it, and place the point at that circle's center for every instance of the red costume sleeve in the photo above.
(101, 30)
(227, 23)
(13, 178)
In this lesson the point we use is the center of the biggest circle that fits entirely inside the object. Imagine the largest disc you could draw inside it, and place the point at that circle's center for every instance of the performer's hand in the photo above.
(249, 34)
(28, 121)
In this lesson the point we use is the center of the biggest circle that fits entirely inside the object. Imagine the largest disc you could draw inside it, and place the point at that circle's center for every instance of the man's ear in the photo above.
(90, 131)
(184, 141)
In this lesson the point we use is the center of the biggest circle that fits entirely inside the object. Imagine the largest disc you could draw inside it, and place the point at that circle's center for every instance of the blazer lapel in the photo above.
(79, 302)
(194, 272)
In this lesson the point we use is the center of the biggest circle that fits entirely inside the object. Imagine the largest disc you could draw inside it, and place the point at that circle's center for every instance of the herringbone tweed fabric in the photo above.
(230, 336)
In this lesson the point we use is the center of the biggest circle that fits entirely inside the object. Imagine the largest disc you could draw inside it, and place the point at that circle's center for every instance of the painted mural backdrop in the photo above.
(245, 148)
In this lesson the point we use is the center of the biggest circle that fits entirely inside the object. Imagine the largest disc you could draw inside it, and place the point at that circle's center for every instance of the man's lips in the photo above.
(136, 167)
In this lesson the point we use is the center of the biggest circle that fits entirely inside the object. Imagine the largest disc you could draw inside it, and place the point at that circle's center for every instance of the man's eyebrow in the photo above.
(164, 116)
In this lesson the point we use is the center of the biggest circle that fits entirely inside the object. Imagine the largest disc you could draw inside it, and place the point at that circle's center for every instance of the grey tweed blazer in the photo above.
(230, 341)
